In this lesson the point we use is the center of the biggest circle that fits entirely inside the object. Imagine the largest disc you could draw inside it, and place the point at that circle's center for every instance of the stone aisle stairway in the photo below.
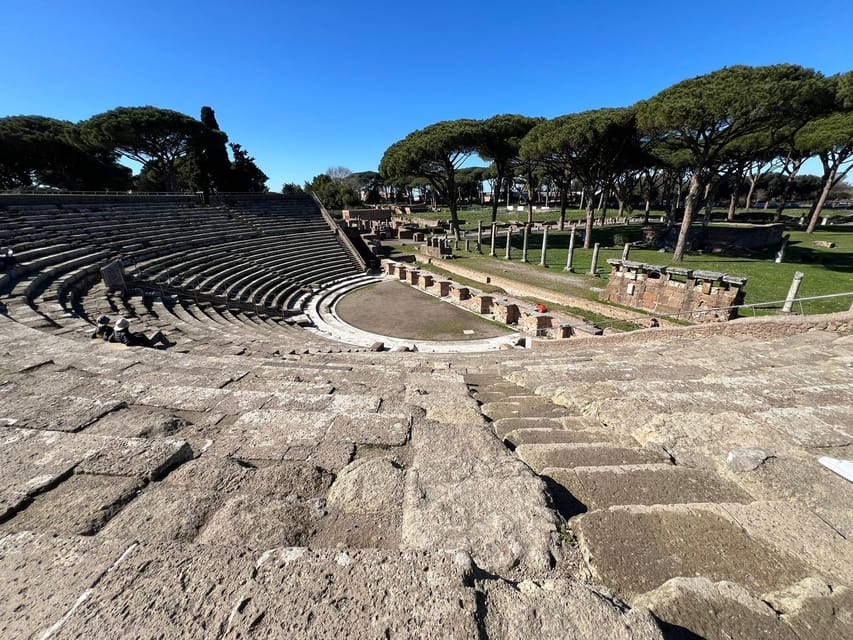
(659, 521)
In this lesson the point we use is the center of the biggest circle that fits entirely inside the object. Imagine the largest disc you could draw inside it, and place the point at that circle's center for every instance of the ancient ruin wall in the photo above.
(700, 296)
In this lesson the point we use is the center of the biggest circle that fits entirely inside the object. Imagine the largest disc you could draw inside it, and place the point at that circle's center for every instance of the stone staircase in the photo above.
(148, 493)
(633, 444)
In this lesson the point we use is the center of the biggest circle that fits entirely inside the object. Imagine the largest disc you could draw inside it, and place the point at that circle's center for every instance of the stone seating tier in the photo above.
(244, 489)
(166, 241)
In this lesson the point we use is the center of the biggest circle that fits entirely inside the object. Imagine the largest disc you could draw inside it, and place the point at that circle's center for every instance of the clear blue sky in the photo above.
(306, 85)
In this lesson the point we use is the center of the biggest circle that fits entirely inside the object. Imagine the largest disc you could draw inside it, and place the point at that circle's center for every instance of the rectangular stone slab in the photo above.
(569, 455)
(174, 590)
(45, 575)
(162, 513)
(262, 523)
(80, 505)
(144, 458)
(359, 594)
(54, 413)
(636, 549)
(647, 484)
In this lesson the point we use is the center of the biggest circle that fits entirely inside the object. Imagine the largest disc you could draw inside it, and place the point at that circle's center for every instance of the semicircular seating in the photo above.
(221, 271)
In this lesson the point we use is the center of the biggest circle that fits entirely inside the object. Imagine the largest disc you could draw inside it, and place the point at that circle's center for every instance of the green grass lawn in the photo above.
(471, 214)
(826, 271)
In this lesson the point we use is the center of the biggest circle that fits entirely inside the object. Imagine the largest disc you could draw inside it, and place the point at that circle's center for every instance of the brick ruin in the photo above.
(524, 316)
(703, 296)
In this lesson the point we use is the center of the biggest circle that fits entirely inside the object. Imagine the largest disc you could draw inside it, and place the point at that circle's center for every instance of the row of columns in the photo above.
(544, 253)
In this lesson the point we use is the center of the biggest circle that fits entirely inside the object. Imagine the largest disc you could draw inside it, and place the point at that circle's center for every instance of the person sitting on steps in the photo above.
(103, 331)
(7, 259)
(134, 339)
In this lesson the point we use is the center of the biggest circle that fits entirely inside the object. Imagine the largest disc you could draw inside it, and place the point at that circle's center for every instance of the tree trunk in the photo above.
(647, 211)
(496, 196)
(590, 215)
(788, 189)
(829, 174)
(530, 201)
(708, 202)
(563, 194)
(621, 210)
(730, 216)
(750, 193)
(689, 206)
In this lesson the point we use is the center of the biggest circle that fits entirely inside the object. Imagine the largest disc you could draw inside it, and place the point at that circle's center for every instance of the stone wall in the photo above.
(732, 239)
(700, 296)
(382, 215)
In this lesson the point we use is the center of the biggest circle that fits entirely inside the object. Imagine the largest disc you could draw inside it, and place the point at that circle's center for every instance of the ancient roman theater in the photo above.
(286, 470)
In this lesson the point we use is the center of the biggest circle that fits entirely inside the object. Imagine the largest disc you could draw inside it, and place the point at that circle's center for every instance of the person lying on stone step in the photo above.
(103, 331)
(137, 339)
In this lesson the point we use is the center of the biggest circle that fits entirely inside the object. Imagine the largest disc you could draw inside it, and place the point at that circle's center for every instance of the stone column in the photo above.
(792, 292)
(508, 253)
(524, 243)
(593, 268)
(571, 256)
(626, 250)
(467, 245)
(479, 232)
(494, 233)
(544, 247)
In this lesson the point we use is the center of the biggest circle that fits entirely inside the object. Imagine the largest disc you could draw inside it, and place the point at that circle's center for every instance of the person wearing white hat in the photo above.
(134, 339)
(103, 331)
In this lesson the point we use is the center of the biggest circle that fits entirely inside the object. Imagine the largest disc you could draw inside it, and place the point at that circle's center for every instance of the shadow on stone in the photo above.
(564, 502)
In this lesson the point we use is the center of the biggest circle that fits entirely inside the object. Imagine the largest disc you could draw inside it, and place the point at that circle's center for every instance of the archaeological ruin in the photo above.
(264, 479)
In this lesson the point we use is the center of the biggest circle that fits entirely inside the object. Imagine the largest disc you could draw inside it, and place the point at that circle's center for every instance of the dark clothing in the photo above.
(139, 339)
(104, 332)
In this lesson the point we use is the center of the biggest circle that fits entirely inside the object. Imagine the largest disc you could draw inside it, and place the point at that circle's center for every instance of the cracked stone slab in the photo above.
(635, 549)
(185, 398)
(162, 514)
(371, 428)
(520, 437)
(645, 484)
(805, 481)
(32, 461)
(560, 609)
(329, 594)
(793, 529)
(358, 531)
(482, 500)
(80, 505)
(334, 403)
(144, 458)
(138, 422)
(714, 610)
(55, 413)
(569, 455)
(810, 426)
(814, 609)
(45, 575)
(262, 523)
(182, 591)
(369, 485)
